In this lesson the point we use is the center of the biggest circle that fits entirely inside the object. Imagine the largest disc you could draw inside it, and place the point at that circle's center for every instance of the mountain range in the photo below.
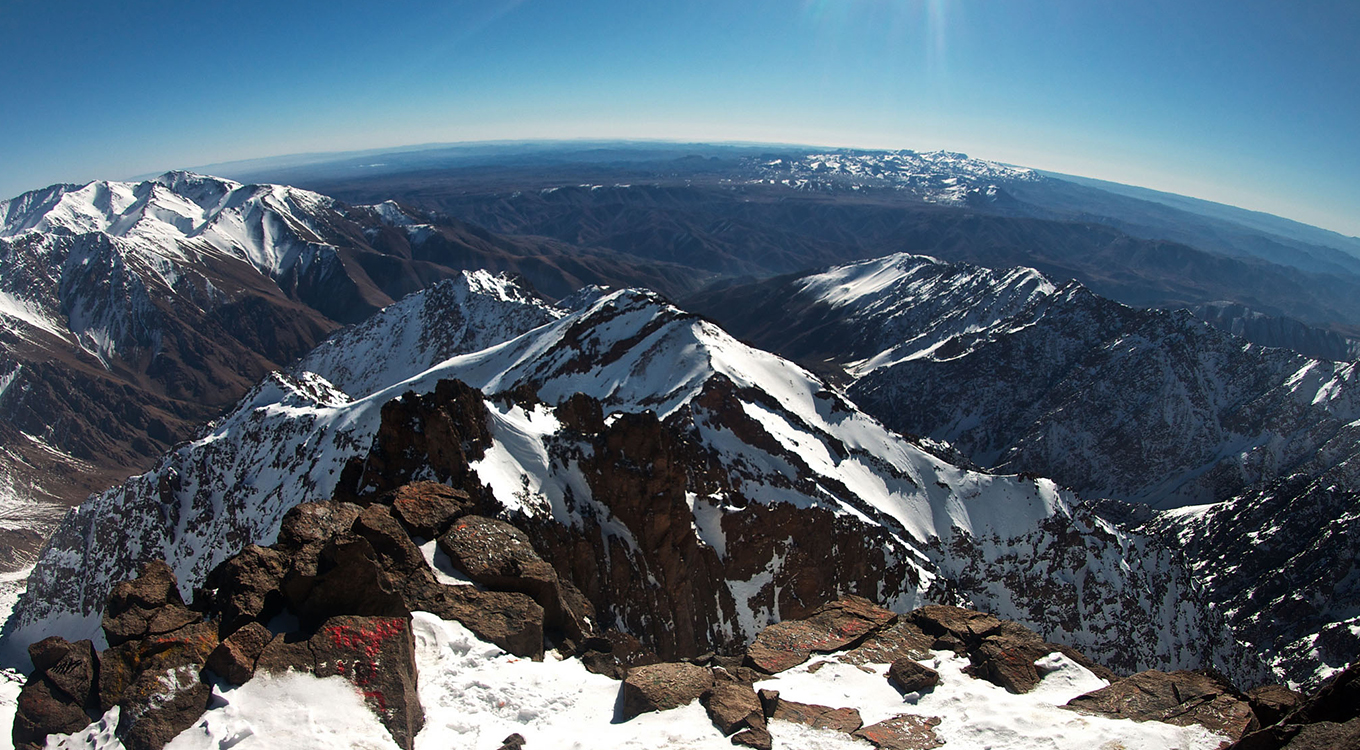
(710, 388)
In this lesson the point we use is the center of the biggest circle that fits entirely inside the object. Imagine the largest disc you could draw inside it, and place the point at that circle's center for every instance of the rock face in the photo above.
(1180, 698)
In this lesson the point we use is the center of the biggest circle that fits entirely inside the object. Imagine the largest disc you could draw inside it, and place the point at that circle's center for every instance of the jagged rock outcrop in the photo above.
(1181, 698)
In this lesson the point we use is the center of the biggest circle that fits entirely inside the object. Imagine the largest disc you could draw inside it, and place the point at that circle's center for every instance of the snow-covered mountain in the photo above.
(934, 176)
(1022, 374)
(752, 470)
(132, 312)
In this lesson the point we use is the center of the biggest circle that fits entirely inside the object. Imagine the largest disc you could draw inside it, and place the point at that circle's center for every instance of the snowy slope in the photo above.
(472, 311)
(780, 436)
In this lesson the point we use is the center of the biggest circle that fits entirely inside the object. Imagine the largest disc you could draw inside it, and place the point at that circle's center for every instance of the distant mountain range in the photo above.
(251, 346)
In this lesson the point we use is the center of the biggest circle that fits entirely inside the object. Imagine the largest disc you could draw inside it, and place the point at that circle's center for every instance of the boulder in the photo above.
(1338, 701)
(313, 523)
(392, 545)
(377, 654)
(1179, 698)
(247, 587)
(1322, 735)
(510, 620)
(234, 658)
(614, 653)
(757, 738)
(158, 705)
(1008, 662)
(427, 509)
(349, 581)
(818, 717)
(732, 705)
(903, 732)
(44, 709)
(149, 604)
(910, 677)
(501, 557)
(72, 668)
(661, 687)
(964, 625)
(904, 639)
(286, 652)
(831, 627)
(1330, 718)
(184, 651)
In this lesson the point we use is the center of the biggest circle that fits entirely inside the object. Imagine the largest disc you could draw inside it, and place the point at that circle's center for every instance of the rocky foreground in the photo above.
(335, 596)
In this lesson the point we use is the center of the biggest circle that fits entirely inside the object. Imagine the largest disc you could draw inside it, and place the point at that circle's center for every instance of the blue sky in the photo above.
(1254, 103)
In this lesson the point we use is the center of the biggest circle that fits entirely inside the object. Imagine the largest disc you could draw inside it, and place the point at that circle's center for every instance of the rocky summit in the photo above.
(342, 592)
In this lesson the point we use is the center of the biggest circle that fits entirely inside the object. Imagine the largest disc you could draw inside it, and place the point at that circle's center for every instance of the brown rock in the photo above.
(513, 742)
(501, 557)
(831, 627)
(44, 709)
(69, 667)
(910, 677)
(733, 706)
(754, 737)
(661, 687)
(903, 639)
(148, 604)
(904, 732)
(157, 706)
(394, 550)
(582, 414)
(1179, 698)
(350, 581)
(1327, 735)
(427, 509)
(1008, 663)
(769, 701)
(819, 717)
(510, 620)
(614, 653)
(234, 658)
(286, 652)
(968, 626)
(247, 586)
(1338, 701)
(314, 523)
(1272, 702)
(377, 654)
(123, 667)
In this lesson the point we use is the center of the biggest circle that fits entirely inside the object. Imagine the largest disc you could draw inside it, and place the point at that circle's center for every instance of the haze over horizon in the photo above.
(1251, 104)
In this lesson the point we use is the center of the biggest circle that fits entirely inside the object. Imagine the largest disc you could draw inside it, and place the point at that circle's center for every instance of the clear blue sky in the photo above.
(1254, 103)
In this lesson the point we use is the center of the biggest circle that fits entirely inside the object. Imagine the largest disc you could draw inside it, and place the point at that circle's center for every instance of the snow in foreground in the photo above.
(475, 695)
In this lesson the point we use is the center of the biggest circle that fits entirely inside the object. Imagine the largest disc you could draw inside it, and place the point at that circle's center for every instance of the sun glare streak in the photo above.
(936, 23)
